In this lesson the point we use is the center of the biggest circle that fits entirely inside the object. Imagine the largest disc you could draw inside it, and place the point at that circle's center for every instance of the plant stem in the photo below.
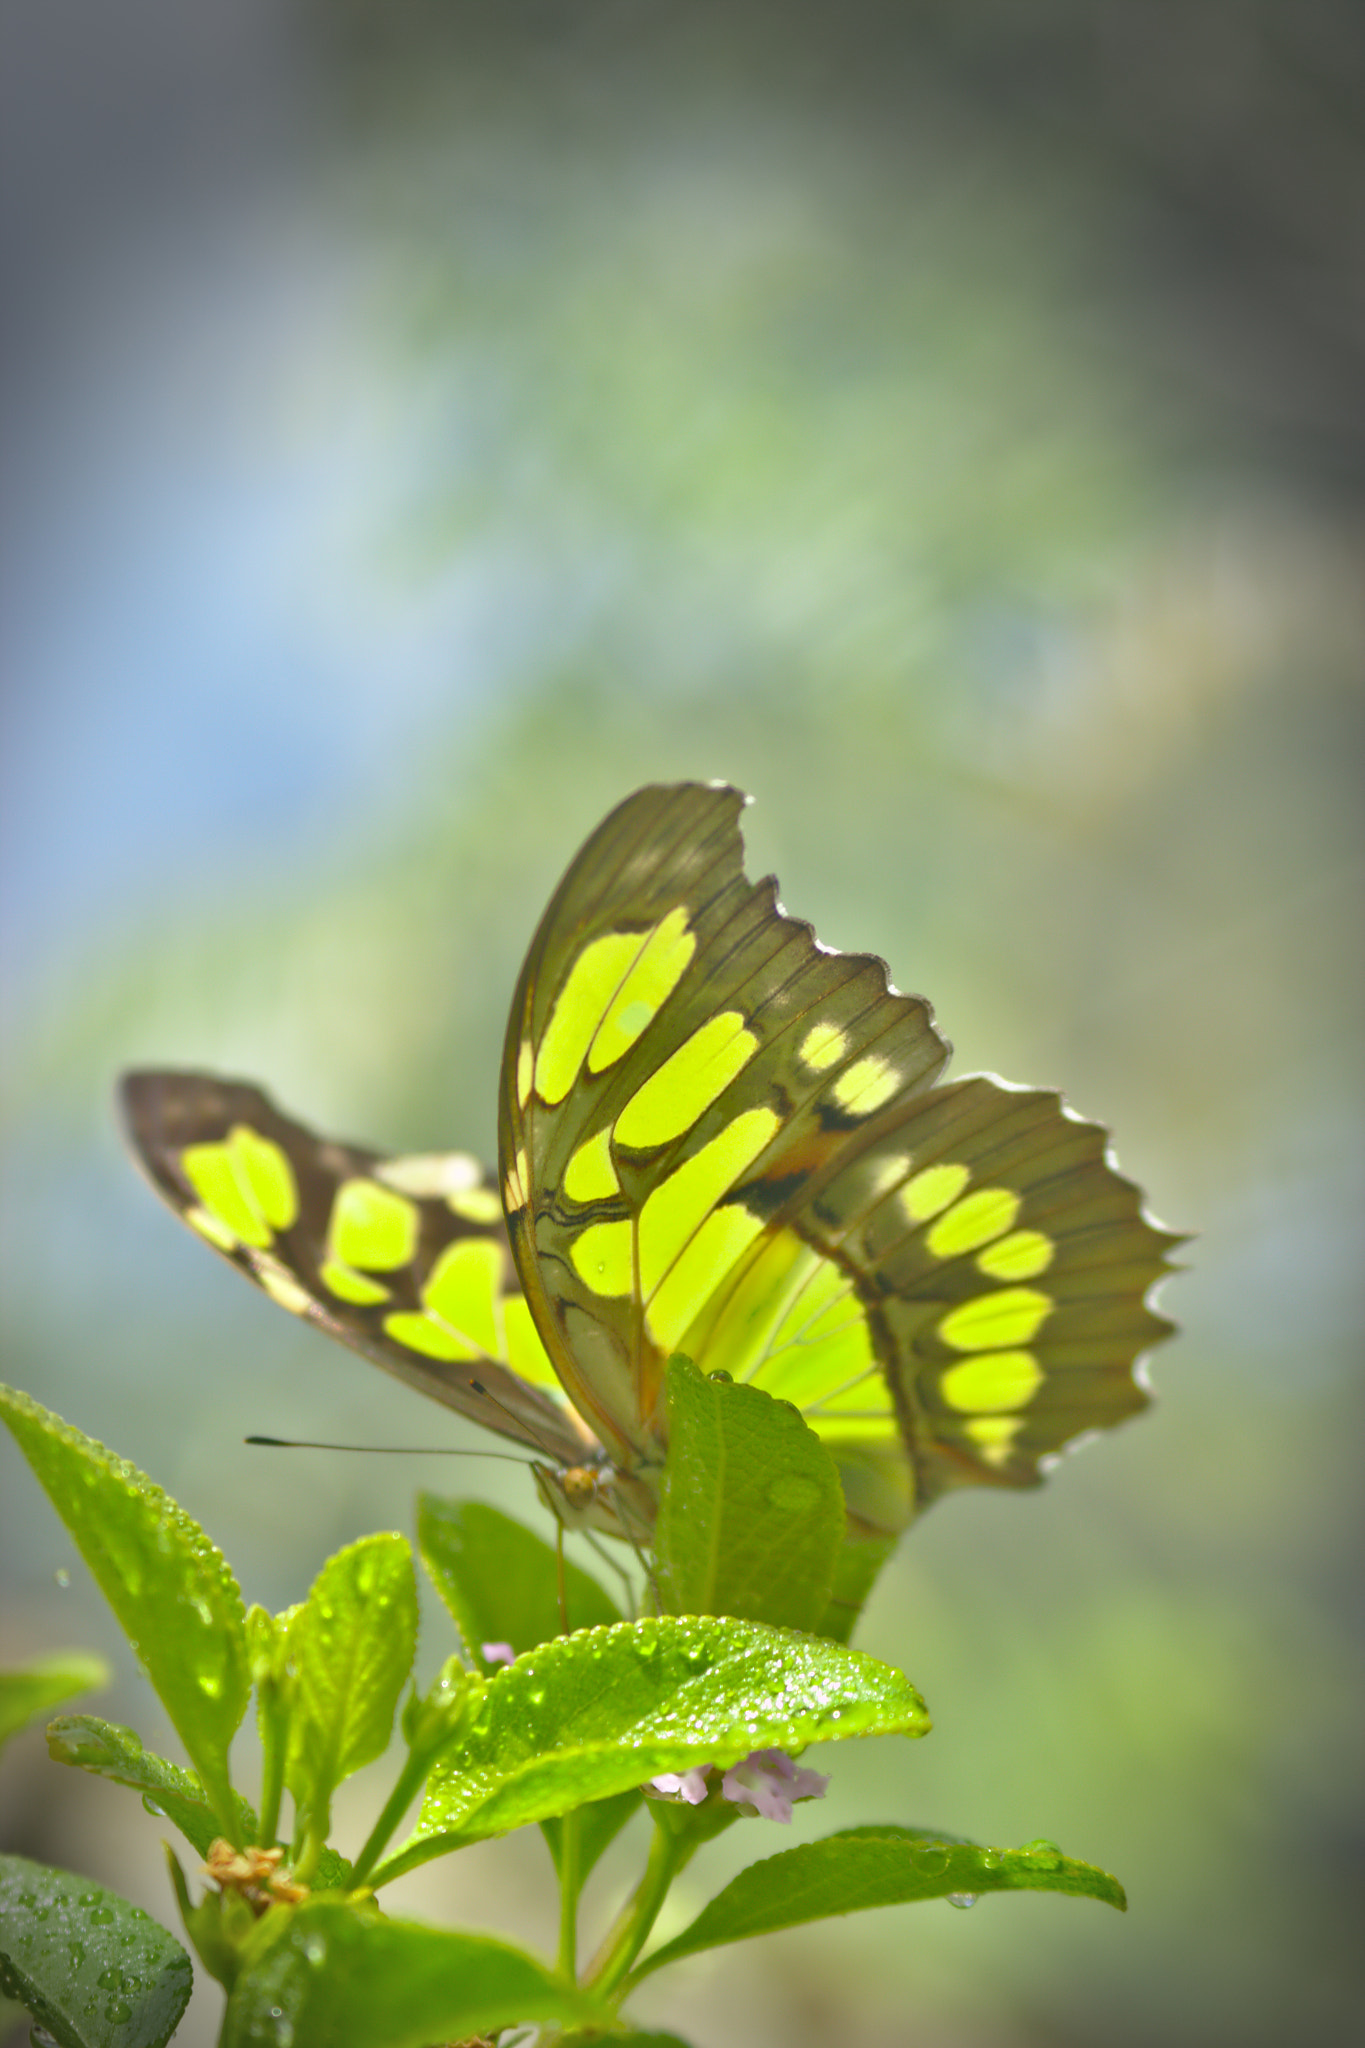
(667, 1854)
(570, 1839)
(410, 1780)
(273, 1733)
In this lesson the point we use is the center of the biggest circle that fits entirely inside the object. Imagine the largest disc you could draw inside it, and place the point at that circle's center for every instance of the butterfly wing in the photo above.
(721, 1138)
(403, 1258)
(967, 1277)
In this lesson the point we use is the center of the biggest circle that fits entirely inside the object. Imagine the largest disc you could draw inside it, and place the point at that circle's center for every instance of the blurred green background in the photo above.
(428, 422)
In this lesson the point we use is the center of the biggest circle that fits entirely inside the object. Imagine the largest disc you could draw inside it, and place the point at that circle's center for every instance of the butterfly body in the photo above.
(715, 1137)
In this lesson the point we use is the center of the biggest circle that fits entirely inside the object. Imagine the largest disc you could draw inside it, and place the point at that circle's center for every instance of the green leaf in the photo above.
(876, 1866)
(26, 1694)
(351, 1645)
(109, 1751)
(500, 1580)
(117, 1754)
(751, 1521)
(596, 1713)
(94, 1970)
(172, 1591)
(338, 1972)
(855, 1573)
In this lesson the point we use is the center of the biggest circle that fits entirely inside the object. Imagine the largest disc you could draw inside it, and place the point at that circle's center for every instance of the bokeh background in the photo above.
(426, 422)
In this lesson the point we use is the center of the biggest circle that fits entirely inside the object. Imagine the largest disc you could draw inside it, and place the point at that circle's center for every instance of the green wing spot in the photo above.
(996, 1322)
(604, 1257)
(925, 1194)
(687, 1083)
(526, 1354)
(347, 1285)
(215, 1173)
(994, 1435)
(867, 1085)
(974, 1221)
(590, 1175)
(425, 1334)
(1020, 1256)
(594, 981)
(992, 1384)
(642, 994)
(372, 1227)
(462, 1290)
(268, 1175)
(698, 1269)
(675, 1209)
(823, 1046)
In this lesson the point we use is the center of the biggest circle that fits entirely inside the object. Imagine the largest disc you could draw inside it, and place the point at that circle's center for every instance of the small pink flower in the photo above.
(768, 1781)
(497, 1653)
(690, 1785)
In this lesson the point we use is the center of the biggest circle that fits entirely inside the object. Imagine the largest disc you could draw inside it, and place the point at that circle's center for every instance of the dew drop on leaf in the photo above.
(1042, 1854)
(962, 1900)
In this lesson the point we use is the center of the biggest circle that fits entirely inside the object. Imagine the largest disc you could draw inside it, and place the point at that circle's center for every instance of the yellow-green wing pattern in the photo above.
(719, 1137)
(681, 1056)
(403, 1258)
(969, 1277)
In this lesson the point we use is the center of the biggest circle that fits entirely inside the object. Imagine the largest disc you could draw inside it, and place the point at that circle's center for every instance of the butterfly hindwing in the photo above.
(405, 1259)
(975, 1266)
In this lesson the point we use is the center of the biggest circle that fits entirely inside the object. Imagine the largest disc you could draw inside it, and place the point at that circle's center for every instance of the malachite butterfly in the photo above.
(716, 1137)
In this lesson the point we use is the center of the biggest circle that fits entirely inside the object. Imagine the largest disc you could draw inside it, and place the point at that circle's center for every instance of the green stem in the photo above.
(274, 1729)
(410, 1782)
(570, 1839)
(667, 1854)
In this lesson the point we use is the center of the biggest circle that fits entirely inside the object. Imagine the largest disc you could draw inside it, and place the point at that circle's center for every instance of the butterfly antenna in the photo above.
(293, 1443)
(523, 1427)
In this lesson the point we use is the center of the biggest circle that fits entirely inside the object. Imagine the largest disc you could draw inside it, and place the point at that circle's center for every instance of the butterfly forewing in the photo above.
(403, 1258)
(681, 1057)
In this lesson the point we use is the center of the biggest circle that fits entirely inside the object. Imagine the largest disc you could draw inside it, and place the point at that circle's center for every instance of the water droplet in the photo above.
(1042, 1854)
(150, 1805)
(118, 2011)
(314, 1948)
(210, 1683)
(102, 1916)
(63, 1579)
(991, 1859)
(930, 1857)
(962, 1900)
